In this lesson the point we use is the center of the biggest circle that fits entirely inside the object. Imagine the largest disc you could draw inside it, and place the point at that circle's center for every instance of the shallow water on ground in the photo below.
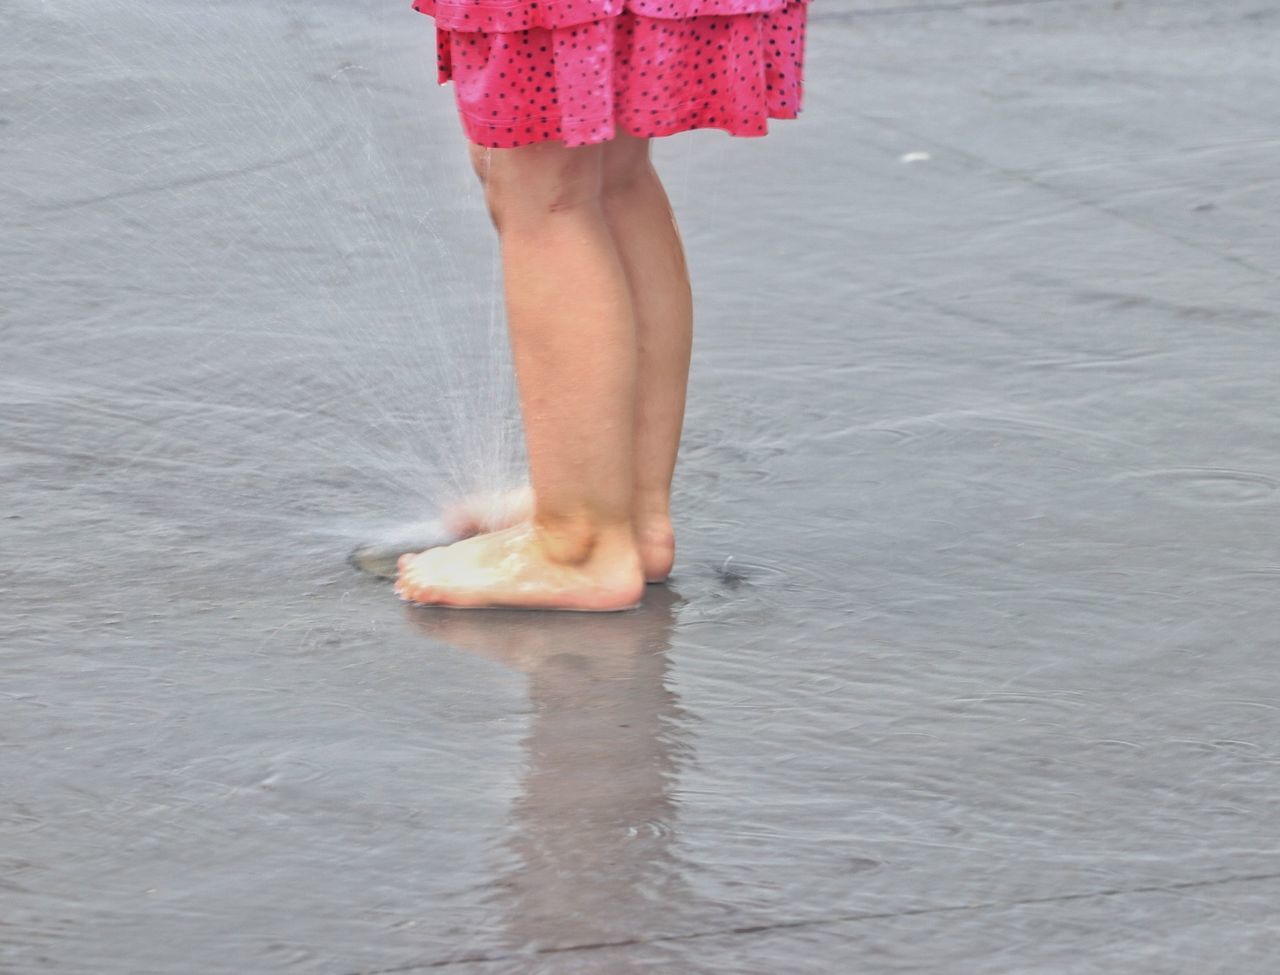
(967, 661)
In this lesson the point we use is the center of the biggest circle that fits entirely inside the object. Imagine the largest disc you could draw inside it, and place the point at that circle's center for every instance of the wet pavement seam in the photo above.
(479, 959)
(183, 183)
(1178, 152)
(1030, 179)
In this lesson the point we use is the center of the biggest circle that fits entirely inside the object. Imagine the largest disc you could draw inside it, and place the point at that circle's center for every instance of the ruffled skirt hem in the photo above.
(582, 83)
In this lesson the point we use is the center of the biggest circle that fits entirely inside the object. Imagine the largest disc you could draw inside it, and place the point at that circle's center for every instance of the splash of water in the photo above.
(282, 252)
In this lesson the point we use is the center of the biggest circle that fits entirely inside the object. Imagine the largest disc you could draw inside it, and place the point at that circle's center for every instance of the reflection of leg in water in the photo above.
(595, 824)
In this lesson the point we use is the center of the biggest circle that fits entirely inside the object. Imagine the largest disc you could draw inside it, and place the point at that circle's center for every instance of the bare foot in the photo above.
(512, 568)
(656, 543)
(494, 511)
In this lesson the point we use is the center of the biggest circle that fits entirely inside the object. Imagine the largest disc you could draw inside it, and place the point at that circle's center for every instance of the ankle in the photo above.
(577, 540)
(653, 509)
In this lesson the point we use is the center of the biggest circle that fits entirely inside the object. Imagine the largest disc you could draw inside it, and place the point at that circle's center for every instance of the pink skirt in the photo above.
(580, 83)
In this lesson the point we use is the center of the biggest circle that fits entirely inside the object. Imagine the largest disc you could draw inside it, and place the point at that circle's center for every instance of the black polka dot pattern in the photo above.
(580, 82)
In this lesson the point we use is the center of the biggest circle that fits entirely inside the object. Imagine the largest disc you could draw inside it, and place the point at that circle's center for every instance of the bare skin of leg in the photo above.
(644, 228)
(640, 219)
(573, 338)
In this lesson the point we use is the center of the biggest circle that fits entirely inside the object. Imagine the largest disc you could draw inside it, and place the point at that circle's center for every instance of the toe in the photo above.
(415, 593)
(409, 582)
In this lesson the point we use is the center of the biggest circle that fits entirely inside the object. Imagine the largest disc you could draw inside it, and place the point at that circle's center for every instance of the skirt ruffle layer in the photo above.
(510, 15)
(646, 76)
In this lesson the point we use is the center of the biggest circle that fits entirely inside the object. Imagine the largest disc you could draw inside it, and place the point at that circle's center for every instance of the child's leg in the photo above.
(573, 337)
(644, 229)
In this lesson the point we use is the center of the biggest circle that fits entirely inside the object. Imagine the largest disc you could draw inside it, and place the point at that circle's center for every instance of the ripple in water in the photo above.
(1211, 485)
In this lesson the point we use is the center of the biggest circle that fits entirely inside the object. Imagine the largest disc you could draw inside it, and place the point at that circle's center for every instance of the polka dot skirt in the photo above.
(648, 76)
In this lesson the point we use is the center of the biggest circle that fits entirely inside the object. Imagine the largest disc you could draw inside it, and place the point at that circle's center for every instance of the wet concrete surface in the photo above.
(969, 660)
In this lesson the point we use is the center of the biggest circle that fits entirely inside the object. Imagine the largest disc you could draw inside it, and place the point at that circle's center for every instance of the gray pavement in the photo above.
(968, 664)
